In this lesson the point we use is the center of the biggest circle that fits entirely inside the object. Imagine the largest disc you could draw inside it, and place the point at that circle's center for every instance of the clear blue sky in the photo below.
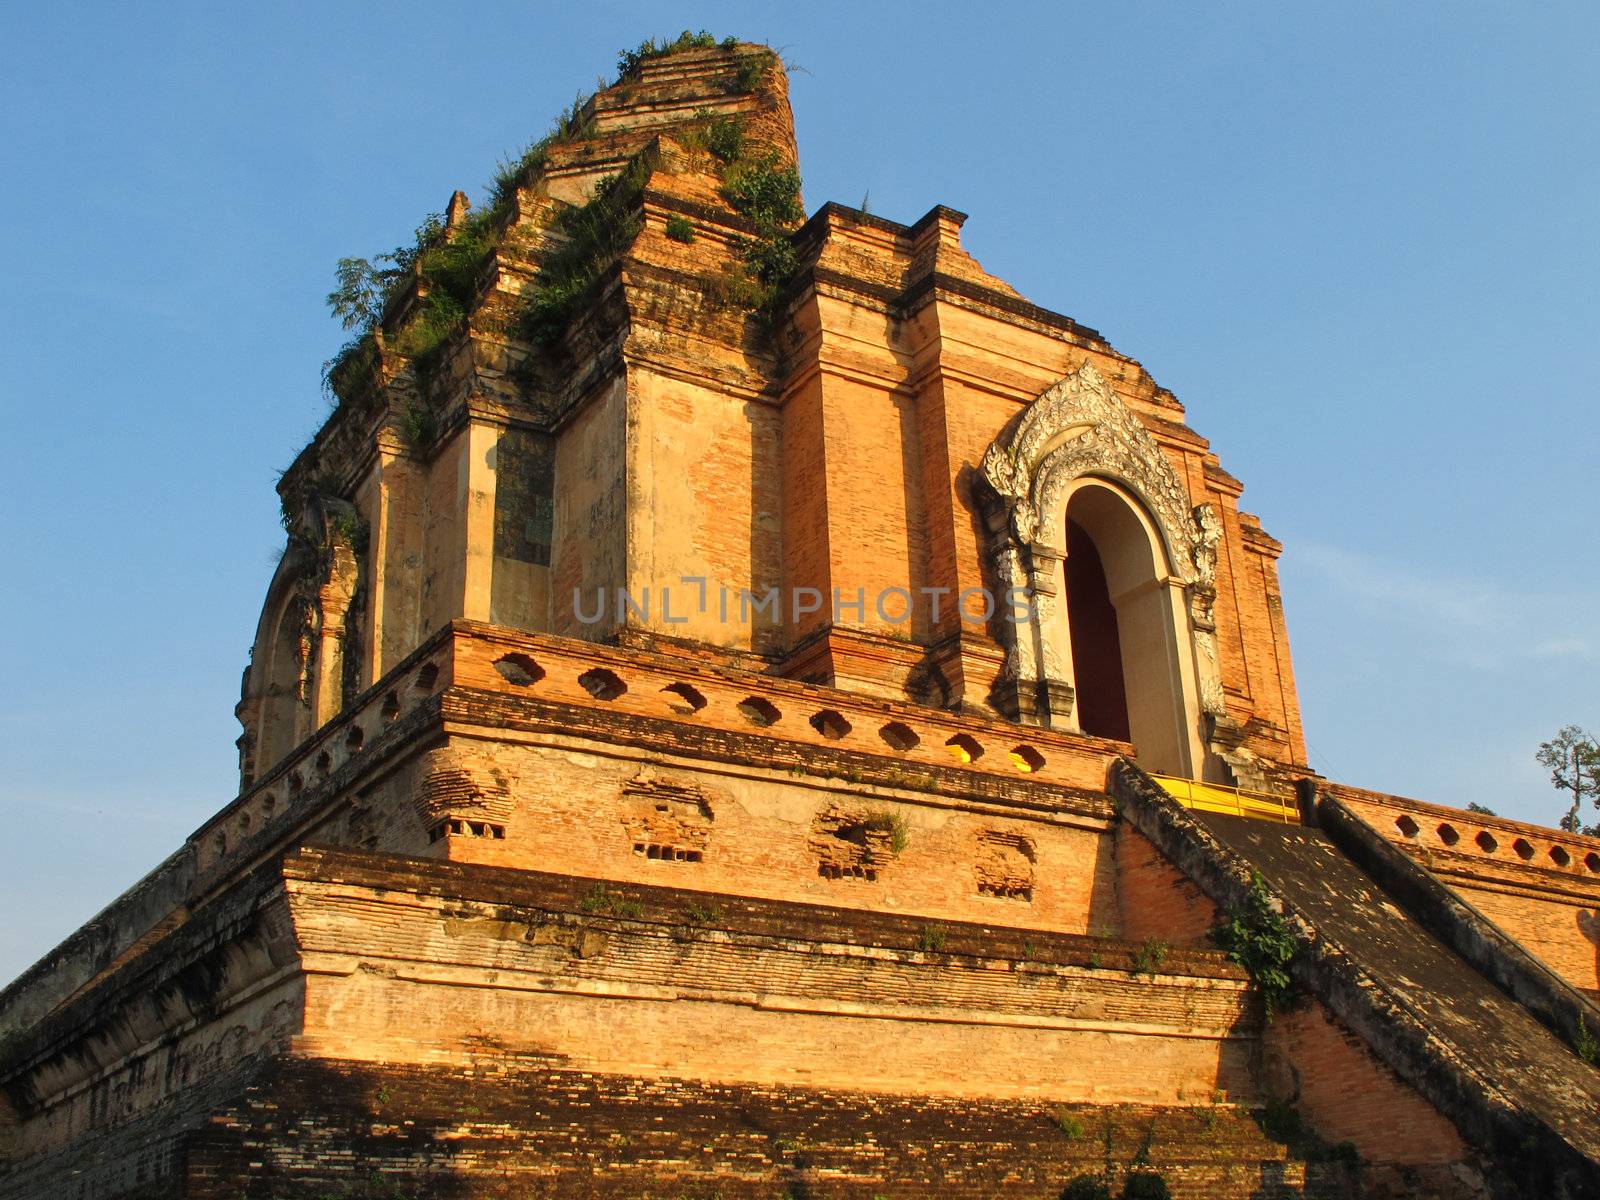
(1358, 241)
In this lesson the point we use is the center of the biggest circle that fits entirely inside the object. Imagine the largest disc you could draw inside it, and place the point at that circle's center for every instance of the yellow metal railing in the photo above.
(1219, 798)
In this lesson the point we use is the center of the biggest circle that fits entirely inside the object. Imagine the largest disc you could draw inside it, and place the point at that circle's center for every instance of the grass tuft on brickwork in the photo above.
(703, 914)
(573, 125)
(418, 425)
(349, 526)
(444, 265)
(1584, 1045)
(629, 61)
(596, 233)
(753, 71)
(680, 228)
(1071, 1128)
(352, 369)
(1148, 958)
(892, 823)
(602, 902)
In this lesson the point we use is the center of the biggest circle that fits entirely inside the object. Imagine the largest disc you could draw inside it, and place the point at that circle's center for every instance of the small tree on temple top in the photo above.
(1573, 759)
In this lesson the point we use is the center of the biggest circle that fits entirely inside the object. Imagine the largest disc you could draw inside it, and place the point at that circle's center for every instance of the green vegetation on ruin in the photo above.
(1256, 937)
(629, 61)
(445, 264)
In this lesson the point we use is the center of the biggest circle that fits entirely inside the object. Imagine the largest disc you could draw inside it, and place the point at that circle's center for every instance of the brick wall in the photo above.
(1156, 900)
(594, 811)
(635, 984)
(1563, 931)
(1348, 1095)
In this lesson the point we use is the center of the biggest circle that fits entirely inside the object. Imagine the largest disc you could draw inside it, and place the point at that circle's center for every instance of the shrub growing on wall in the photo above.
(1256, 937)
(1086, 1187)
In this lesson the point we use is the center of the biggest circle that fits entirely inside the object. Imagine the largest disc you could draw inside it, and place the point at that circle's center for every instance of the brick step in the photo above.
(349, 1129)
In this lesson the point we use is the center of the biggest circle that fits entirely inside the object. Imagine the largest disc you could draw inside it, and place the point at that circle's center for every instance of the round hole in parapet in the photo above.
(1523, 848)
(964, 749)
(758, 710)
(296, 784)
(427, 677)
(1448, 835)
(1026, 759)
(683, 699)
(353, 739)
(518, 670)
(269, 805)
(1592, 861)
(602, 684)
(1560, 857)
(1486, 842)
(391, 706)
(1407, 827)
(830, 724)
(324, 763)
(899, 736)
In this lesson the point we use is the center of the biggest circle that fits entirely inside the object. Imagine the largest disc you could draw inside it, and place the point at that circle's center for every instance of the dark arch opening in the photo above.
(1102, 695)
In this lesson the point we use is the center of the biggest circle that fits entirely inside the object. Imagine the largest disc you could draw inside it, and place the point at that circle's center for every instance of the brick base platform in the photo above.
(321, 1128)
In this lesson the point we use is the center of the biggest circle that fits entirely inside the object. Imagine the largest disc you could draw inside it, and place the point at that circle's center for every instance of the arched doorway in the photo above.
(1151, 576)
(1127, 627)
(281, 724)
(1102, 697)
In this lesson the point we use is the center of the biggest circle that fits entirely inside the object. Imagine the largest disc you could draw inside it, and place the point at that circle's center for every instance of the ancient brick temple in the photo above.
(753, 707)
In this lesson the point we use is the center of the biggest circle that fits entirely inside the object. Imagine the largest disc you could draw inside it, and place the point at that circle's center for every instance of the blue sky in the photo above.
(1358, 241)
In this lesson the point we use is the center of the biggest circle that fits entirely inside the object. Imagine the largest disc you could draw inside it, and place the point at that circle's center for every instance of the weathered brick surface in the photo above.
(334, 1126)
(1565, 1010)
(1155, 899)
(1493, 1041)
(131, 1158)
(414, 961)
(1348, 1095)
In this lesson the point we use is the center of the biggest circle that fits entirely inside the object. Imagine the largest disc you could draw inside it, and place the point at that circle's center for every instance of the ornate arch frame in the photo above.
(1078, 428)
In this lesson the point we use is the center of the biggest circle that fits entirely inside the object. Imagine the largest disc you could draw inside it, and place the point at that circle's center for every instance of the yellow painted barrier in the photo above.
(1236, 802)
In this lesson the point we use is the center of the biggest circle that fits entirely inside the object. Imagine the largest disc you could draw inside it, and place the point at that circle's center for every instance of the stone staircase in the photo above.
(1518, 1093)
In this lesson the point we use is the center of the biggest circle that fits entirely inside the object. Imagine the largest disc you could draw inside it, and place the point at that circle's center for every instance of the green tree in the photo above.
(1573, 759)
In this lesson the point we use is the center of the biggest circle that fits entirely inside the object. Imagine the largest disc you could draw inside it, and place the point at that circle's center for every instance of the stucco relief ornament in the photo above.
(1008, 476)
(1202, 606)
(1212, 701)
(1204, 596)
(1078, 427)
(1205, 550)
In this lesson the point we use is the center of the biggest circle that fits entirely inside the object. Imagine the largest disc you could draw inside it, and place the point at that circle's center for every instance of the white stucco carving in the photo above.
(1079, 427)
(1208, 532)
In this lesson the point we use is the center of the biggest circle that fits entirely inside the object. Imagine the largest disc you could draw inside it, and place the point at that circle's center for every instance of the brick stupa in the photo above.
(750, 708)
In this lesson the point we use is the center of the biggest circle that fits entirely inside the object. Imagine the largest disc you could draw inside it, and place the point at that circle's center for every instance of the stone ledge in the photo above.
(680, 908)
